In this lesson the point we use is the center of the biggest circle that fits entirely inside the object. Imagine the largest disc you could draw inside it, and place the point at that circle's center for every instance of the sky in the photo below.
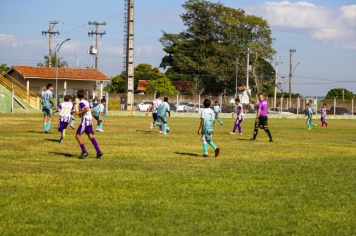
(322, 31)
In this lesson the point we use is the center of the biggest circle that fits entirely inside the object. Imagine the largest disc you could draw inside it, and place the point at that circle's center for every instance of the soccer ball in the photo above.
(168, 129)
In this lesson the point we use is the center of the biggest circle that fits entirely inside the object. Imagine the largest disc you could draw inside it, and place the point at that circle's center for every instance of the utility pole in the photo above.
(275, 85)
(77, 56)
(291, 51)
(50, 40)
(129, 44)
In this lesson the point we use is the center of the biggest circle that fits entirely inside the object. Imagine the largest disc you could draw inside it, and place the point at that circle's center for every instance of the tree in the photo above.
(117, 84)
(4, 67)
(338, 92)
(90, 67)
(215, 37)
(53, 62)
(162, 86)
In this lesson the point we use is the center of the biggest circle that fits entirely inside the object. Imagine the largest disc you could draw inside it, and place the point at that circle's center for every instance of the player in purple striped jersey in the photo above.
(66, 108)
(154, 107)
(86, 125)
(323, 113)
(240, 116)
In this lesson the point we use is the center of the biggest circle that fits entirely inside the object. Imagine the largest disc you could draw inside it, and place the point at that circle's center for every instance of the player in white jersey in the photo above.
(216, 109)
(323, 113)
(154, 107)
(65, 109)
(240, 116)
(86, 125)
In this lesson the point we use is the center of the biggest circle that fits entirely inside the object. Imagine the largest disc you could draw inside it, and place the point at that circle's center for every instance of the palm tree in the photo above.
(61, 64)
(90, 67)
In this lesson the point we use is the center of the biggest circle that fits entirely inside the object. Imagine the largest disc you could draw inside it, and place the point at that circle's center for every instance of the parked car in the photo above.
(143, 105)
(181, 105)
(190, 107)
(277, 110)
(339, 111)
(294, 110)
(173, 107)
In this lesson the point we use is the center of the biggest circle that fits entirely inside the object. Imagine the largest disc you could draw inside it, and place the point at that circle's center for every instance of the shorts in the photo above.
(261, 122)
(216, 116)
(97, 118)
(62, 126)
(162, 119)
(154, 116)
(72, 117)
(47, 111)
(309, 120)
(239, 121)
(323, 118)
(84, 128)
(206, 137)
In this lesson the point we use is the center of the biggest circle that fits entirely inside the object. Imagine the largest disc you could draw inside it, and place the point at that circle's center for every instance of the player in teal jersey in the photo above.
(47, 108)
(309, 113)
(206, 128)
(97, 114)
(217, 112)
(162, 110)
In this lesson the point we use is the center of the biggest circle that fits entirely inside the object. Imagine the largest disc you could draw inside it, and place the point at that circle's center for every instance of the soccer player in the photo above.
(86, 125)
(97, 113)
(206, 128)
(66, 108)
(47, 108)
(154, 107)
(309, 113)
(162, 110)
(323, 113)
(217, 111)
(72, 117)
(261, 118)
(240, 117)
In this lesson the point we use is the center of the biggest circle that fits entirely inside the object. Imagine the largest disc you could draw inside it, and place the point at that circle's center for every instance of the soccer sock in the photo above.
(45, 126)
(101, 126)
(95, 144)
(312, 124)
(212, 144)
(97, 126)
(48, 125)
(205, 147)
(269, 133)
(235, 127)
(255, 134)
(72, 123)
(153, 122)
(219, 121)
(308, 125)
(160, 128)
(82, 147)
(165, 128)
(159, 124)
(239, 128)
(64, 133)
(62, 136)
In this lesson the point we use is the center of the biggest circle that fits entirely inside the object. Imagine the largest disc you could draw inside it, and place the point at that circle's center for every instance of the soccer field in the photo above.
(150, 184)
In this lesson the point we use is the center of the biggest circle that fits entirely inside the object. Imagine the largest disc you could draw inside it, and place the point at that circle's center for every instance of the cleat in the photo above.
(205, 155)
(316, 126)
(271, 140)
(165, 133)
(48, 132)
(97, 129)
(240, 133)
(222, 123)
(322, 126)
(99, 154)
(309, 129)
(252, 139)
(326, 125)
(100, 130)
(61, 140)
(217, 152)
(84, 154)
(232, 133)
(72, 127)
(161, 132)
(151, 126)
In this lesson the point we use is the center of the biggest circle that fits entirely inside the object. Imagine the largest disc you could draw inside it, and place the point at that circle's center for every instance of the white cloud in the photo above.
(322, 23)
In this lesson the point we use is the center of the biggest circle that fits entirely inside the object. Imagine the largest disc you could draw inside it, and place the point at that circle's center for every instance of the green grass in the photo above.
(114, 105)
(149, 184)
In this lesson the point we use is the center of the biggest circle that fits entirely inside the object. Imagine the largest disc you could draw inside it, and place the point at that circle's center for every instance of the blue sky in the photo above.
(322, 31)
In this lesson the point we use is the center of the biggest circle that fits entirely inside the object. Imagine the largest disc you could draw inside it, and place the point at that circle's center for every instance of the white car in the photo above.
(277, 110)
(180, 107)
(143, 105)
(190, 108)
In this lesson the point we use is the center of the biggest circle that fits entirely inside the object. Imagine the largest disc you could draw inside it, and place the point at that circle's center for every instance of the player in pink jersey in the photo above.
(261, 119)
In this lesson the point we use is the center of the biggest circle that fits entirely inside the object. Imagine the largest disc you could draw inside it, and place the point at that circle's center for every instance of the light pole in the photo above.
(57, 69)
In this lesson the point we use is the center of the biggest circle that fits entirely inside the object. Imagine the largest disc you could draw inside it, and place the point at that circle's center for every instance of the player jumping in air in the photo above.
(86, 125)
(323, 113)
(97, 114)
(47, 108)
(66, 109)
(309, 113)
(217, 111)
(206, 128)
(162, 109)
(154, 107)
(240, 117)
(261, 119)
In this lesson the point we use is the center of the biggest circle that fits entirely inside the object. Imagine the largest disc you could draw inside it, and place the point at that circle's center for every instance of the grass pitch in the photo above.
(149, 184)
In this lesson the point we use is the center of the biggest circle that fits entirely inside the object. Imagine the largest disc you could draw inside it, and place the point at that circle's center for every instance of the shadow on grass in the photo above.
(145, 131)
(63, 154)
(187, 154)
(38, 132)
(52, 140)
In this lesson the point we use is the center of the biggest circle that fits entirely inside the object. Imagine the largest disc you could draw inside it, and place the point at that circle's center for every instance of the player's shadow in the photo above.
(52, 140)
(38, 132)
(187, 154)
(63, 154)
(145, 131)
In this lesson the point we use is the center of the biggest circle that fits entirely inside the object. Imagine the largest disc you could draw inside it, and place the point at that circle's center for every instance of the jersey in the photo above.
(155, 105)
(308, 112)
(323, 112)
(208, 115)
(239, 109)
(99, 108)
(66, 110)
(263, 107)
(162, 109)
(87, 118)
(46, 99)
(216, 109)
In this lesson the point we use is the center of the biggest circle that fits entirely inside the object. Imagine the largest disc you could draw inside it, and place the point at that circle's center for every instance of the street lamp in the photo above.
(56, 51)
